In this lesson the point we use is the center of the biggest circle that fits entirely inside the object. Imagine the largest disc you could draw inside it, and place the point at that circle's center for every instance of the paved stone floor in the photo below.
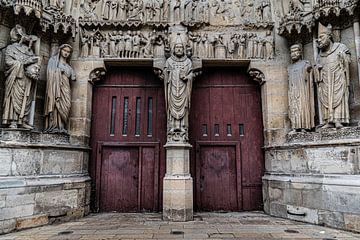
(244, 226)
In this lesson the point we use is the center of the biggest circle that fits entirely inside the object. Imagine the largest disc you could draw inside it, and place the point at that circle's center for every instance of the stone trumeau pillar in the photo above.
(177, 72)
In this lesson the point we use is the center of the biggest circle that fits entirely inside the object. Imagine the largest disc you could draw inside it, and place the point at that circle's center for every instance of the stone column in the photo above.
(178, 184)
(178, 73)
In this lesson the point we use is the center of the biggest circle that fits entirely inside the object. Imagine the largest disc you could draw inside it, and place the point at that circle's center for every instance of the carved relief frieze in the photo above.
(248, 13)
(124, 43)
(327, 7)
(125, 13)
(205, 44)
(29, 6)
(299, 21)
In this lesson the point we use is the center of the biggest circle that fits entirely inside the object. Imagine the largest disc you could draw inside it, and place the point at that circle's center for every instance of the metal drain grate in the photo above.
(176, 232)
(65, 233)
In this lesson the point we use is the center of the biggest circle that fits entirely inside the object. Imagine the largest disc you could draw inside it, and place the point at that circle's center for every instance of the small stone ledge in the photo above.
(349, 136)
(347, 133)
(16, 138)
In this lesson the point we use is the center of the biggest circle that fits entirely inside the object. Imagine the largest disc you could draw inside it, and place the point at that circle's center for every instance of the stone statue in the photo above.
(19, 84)
(122, 10)
(58, 91)
(88, 10)
(22, 72)
(177, 11)
(109, 9)
(120, 46)
(178, 78)
(301, 91)
(332, 75)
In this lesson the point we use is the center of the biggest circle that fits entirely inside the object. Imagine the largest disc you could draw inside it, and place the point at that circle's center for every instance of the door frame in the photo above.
(98, 166)
(238, 164)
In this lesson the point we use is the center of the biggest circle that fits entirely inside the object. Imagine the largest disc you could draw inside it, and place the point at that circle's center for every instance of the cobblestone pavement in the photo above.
(244, 226)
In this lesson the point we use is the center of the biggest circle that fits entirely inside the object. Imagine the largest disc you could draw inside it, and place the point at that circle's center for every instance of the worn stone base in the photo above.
(33, 202)
(330, 200)
(178, 198)
(315, 178)
(43, 179)
(178, 184)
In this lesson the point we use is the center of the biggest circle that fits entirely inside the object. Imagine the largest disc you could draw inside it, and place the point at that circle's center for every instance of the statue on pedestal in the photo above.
(22, 72)
(332, 75)
(301, 91)
(58, 91)
(178, 78)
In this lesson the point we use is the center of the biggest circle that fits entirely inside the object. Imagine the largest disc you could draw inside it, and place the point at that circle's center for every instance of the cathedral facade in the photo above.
(178, 106)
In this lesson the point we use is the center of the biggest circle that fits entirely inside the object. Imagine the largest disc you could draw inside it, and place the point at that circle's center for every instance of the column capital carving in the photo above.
(257, 75)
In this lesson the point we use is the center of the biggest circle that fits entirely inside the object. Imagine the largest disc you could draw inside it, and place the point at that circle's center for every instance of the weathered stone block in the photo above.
(62, 162)
(342, 199)
(17, 211)
(18, 200)
(7, 226)
(278, 209)
(52, 201)
(30, 222)
(6, 160)
(331, 219)
(352, 222)
(26, 162)
(331, 160)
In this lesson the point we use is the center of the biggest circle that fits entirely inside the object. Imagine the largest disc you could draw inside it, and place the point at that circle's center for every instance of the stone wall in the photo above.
(315, 178)
(43, 179)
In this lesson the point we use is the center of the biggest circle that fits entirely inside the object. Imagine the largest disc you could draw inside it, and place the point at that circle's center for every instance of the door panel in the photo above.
(218, 178)
(128, 126)
(226, 110)
(120, 179)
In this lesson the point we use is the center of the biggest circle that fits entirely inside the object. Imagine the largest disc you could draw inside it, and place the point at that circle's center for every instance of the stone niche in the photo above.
(43, 179)
(314, 178)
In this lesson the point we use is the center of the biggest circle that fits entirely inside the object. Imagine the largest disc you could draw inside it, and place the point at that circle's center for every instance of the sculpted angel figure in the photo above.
(58, 91)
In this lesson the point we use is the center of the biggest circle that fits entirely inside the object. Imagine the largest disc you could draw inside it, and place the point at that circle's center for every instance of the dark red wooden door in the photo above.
(226, 131)
(127, 135)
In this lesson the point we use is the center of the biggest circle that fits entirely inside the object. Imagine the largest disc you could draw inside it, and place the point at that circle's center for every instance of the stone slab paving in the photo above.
(244, 226)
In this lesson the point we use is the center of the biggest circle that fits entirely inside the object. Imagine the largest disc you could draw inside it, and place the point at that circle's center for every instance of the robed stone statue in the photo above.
(332, 75)
(301, 91)
(22, 72)
(178, 79)
(58, 91)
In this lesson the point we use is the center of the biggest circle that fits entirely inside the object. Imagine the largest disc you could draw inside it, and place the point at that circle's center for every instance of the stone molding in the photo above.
(257, 76)
(297, 25)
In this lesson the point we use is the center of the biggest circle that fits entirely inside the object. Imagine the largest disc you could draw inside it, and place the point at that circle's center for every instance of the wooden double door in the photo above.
(129, 132)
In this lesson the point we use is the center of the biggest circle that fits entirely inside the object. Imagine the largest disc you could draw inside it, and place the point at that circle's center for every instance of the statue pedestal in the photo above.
(178, 184)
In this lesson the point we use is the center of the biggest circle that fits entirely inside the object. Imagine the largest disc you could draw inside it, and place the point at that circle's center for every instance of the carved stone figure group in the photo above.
(137, 44)
(332, 77)
(22, 73)
(240, 45)
(124, 44)
(250, 11)
(125, 10)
